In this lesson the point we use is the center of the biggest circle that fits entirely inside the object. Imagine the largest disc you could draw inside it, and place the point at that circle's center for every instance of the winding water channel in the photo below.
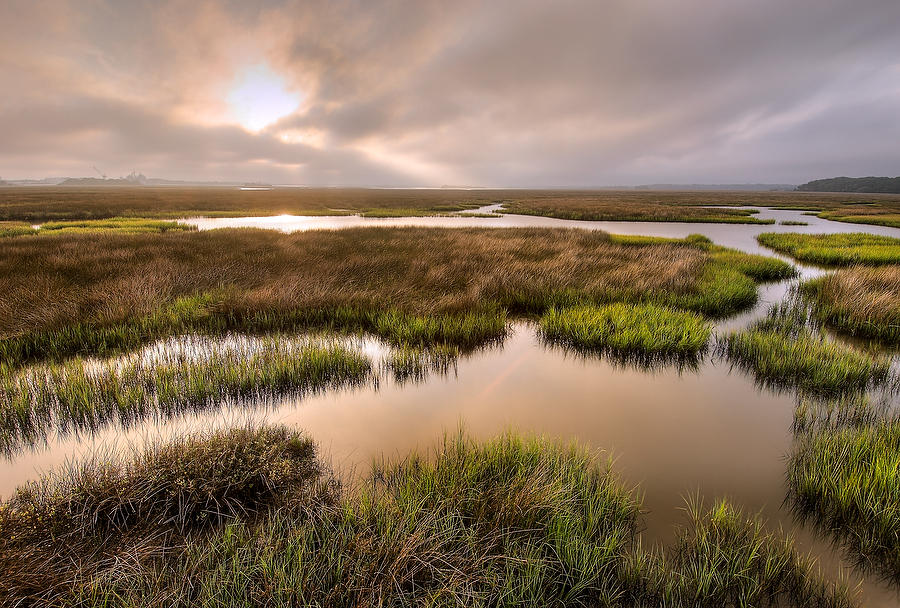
(673, 432)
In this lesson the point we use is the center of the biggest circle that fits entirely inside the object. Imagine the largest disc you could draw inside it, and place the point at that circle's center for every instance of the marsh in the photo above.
(374, 340)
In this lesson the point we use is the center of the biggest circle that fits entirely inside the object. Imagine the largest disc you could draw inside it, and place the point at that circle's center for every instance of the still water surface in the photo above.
(673, 432)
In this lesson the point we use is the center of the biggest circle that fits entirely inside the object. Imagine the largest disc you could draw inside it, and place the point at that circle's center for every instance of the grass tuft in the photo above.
(95, 519)
(627, 329)
(415, 364)
(847, 480)
(785, 350)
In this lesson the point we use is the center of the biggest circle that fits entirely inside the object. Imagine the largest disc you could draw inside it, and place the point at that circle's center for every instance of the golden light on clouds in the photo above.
(259, 97)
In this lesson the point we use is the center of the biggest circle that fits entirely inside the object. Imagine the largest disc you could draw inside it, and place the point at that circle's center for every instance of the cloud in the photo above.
(506, 93)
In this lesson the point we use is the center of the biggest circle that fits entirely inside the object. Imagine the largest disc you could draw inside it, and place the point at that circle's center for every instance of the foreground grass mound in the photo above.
(512, 522)
(835, 249)
(848, 481)
(640, 330)
(411, 286)
(863, 302)
(105, 516)
(785, 349)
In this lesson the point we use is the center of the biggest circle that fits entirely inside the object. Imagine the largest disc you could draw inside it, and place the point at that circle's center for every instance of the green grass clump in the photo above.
(466, 330)
(793, 223)
(627, 329)
(92, 518)
(835, 249)
(78, 394)
(805, 360)
(848, 481)
(416, 363)
(10, 229)
(127, 225)
(721, 291)
(787, 348)
(760, 268)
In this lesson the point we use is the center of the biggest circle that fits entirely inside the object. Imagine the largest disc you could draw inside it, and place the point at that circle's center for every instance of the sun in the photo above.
(260, 97)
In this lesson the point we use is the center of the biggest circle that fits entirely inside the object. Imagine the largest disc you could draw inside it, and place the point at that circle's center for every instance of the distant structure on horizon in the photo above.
(132, 179)
(873, 185)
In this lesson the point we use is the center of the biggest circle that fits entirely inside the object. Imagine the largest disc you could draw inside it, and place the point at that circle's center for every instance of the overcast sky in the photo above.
(492, 93)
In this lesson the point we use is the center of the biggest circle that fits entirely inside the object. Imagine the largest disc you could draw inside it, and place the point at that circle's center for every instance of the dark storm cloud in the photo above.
(517, 93)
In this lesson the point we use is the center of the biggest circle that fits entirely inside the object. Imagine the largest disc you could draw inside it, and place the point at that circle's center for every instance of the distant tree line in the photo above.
(888, 185)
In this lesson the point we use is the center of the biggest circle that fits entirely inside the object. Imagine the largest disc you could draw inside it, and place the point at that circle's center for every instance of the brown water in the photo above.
(673, 432)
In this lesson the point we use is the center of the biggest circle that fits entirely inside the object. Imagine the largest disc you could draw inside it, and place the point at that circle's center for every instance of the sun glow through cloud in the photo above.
(260, 97)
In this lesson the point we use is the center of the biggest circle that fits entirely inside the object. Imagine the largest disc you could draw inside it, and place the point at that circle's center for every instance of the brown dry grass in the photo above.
(863, 301)
(39, 204)
(667, 206)
(79, 203)
(49, 282)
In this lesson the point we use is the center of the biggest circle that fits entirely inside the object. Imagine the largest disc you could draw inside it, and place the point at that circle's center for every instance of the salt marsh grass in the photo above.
(600, 209)
(512, 521)
(725, 557)
(847, 480)
(863, 302)
(109, 514)
(8, 229)
(835, 249)
(40, 204)
(639, 330)
(126, 225)
(416, 364)
(808, 361)
(787, 349)
(86, 295)
(83, 394)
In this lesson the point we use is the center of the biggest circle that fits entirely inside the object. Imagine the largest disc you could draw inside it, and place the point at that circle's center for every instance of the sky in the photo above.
(499, 93)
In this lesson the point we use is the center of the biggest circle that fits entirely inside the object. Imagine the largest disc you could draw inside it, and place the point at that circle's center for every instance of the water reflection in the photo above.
(643, 362)
(672, 432)
(738, 236)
